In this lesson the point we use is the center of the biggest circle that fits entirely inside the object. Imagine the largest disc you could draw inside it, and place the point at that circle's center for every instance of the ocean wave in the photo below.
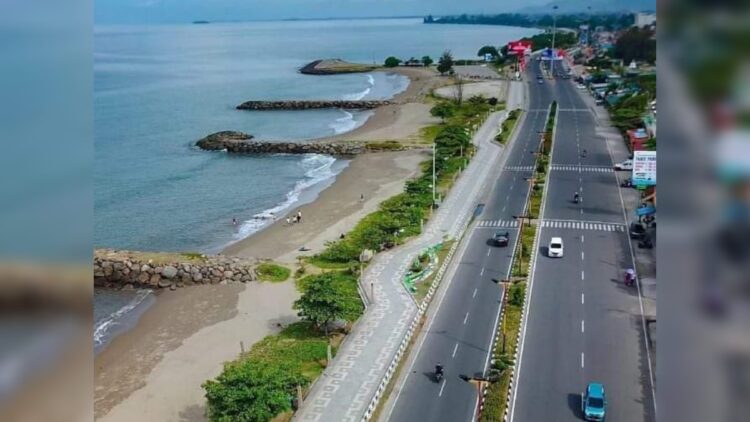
(104, 327)
(318, 168)
(362, 94)
(343, 124)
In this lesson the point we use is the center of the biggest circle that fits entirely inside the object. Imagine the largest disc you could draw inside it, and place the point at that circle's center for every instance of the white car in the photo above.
(581, 86)
(625, 165)
(555, 249)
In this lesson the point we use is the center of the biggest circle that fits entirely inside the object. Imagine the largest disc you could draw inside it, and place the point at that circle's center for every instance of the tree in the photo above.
(636, 44)
(251, 391)
(443, 110)
(445, 63)
(321, 303)
(458, 92)
(392, 61)
(488, 49)
(427, 60)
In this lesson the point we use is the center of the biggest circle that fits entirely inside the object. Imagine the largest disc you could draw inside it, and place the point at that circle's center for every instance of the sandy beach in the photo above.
(376, 176)
(154, 372)
(403, 120)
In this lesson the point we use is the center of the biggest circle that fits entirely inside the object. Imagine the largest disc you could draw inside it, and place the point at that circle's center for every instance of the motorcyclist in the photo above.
(584, 153)
(629, 276)
(438, 370)
(575, 197)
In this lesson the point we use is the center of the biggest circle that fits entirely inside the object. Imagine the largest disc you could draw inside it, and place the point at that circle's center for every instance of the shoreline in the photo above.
(140, 374)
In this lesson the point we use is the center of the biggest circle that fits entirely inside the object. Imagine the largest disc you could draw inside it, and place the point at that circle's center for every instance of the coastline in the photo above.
(337, 209)
(140, 374)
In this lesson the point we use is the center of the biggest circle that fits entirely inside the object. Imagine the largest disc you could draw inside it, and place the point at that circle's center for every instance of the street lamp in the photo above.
(554, 31)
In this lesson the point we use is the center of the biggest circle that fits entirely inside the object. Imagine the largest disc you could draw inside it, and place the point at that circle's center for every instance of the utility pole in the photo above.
(554, 31)
(434, 152)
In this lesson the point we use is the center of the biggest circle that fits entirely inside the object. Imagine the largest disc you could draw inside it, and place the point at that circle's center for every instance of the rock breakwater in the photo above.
(241, 144)
(131, 269)
(312, 104)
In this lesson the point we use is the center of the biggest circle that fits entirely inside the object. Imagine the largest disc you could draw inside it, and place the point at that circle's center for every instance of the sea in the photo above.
(160, 88)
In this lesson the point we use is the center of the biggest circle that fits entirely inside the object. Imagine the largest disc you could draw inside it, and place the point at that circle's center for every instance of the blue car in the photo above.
(594, 402)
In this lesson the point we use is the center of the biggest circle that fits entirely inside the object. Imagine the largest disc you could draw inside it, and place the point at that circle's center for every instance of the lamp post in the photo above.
(434, 152)
(554, 31)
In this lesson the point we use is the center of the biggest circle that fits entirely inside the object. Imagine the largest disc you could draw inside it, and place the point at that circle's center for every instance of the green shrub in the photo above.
(515, 294)
(272, 272)
(251, 391)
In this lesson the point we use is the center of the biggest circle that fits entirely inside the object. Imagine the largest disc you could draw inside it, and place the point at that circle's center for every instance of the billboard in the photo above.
(519, 48)
(644, 168)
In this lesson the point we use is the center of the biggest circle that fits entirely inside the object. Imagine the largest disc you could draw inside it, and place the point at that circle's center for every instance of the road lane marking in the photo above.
(482, 272)
(488, 252)
(466, 318)
(582, 330)
(441, 388)
(582, 301)
(581, 365)
(454, 350)
(581, 238)
(582, 277)
(581, 255)
(475, 294)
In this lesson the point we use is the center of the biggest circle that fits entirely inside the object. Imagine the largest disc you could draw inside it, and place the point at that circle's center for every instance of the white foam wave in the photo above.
(103, 328)
(362, 94)
(343, 124)
(318, 168)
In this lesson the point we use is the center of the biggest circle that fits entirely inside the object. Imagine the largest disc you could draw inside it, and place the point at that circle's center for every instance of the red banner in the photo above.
(519, 47)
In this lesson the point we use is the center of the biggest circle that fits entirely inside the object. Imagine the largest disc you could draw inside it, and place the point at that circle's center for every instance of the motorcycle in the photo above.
(438, 374)
(629, 278)
(576, 198)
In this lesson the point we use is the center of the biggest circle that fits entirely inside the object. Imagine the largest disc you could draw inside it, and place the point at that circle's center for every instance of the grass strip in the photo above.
(268, 271)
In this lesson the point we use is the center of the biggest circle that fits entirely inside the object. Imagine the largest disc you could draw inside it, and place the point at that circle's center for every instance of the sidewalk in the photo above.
(345, 390)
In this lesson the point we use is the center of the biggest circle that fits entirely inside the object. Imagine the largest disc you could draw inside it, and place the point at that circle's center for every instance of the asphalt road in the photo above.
(460, 334)
(583, 324)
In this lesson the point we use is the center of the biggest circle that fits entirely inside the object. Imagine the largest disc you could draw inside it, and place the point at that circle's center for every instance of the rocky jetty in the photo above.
(130, 269)
(218, 140)
(312, 105)
(334, 67)
(238, 145)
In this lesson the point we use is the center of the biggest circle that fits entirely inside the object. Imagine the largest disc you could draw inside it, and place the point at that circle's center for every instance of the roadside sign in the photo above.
(644, 168)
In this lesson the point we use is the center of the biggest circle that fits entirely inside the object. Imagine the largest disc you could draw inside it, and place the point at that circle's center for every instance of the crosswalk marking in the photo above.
(584, 225)
(498, 223)
(518, 168)
(596, 169)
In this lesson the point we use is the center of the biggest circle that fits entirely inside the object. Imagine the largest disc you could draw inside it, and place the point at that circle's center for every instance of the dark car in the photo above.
(500, 239)
(637, 230)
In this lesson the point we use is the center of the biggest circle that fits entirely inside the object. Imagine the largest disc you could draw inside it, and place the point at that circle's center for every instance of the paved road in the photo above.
(345, 390)
(459, 334)
(583, 325)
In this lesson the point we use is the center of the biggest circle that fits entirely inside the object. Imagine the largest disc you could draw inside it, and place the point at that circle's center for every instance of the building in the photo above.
(644, 19)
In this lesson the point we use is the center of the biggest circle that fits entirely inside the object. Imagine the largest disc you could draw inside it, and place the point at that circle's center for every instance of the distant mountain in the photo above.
(577, 6)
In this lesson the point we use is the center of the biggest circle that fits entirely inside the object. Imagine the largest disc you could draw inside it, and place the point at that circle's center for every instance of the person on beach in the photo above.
(299, 216)
(288, 221)
(361, 197)
(234, 221)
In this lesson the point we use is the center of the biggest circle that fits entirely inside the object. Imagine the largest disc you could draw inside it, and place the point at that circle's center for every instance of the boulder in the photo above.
(169, 271)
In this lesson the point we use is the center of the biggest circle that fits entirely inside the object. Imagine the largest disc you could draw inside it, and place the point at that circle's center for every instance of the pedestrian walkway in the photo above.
(348, 390)
(518, 168)
(584, 225)
(508, 224)
(595, 169)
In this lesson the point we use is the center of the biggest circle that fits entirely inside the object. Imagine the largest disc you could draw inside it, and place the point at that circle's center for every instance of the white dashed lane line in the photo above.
(475, 294)
(441, 388)
(454, 350)
(466, 318)
(582, 328)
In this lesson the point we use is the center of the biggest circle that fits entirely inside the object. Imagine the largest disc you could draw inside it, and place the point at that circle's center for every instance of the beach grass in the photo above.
(268, 271)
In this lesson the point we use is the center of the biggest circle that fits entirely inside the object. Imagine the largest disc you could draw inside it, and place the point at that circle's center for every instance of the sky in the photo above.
(174, 11)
